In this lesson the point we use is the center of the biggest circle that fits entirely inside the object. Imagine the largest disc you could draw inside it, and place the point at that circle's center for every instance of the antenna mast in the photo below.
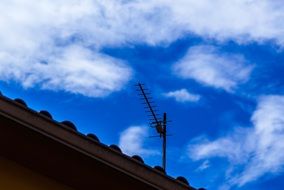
(159, 124)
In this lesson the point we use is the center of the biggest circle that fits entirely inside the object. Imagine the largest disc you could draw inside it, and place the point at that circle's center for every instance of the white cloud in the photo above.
(241, 20)
(132, 139)
(210, 67)
(42, 44)
(35, 31)
(74, 69)
(182, 95)
(252, 152)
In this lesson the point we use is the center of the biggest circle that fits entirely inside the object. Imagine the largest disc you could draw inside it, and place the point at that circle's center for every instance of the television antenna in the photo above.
(159, 124)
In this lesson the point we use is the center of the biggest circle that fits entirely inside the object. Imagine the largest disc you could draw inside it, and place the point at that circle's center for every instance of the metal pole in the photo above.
(164, 140)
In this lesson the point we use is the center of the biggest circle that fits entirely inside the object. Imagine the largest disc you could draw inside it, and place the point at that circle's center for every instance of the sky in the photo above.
(215, 67)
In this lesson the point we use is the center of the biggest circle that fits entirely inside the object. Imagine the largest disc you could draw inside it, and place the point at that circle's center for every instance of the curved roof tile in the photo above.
(69, 124)
(93, 137)
(20, 101)
(46, 114)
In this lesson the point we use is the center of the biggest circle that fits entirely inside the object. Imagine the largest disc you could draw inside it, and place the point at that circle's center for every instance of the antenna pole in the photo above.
(160, 125)
(164, 140)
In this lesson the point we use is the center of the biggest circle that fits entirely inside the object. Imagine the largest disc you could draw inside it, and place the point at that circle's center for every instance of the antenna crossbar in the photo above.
(148, 103)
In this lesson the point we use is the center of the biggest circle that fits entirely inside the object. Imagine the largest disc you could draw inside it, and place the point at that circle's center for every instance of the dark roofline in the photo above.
(82, 144)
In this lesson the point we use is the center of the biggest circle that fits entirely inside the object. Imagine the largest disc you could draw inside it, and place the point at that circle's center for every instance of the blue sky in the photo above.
(215, 67)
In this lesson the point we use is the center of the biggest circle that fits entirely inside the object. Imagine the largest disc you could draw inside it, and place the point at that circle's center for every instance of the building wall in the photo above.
(16, 177)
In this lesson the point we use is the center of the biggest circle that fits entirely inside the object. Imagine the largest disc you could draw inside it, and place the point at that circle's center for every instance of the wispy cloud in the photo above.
(205, 164)
(252, 152)
(183, 96)
(132, 140)
(210, 67)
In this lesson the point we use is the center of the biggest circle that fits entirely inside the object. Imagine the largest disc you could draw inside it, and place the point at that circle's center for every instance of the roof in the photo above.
(78, 160)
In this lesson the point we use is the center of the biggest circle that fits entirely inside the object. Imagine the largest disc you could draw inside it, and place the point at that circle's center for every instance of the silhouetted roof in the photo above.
(33, 138)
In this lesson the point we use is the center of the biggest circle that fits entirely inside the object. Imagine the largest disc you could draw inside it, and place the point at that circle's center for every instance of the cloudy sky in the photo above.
(216, 68)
